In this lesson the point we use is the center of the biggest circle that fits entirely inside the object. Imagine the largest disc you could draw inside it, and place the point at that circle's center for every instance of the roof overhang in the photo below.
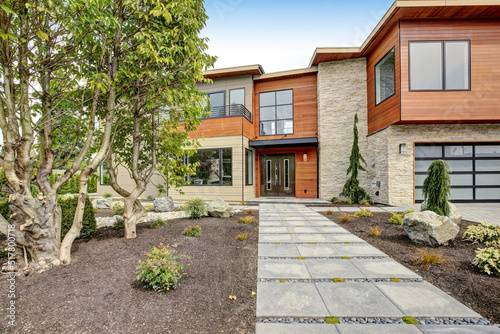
(287, 74)
(234, 71)
(280, 143)
(411, 9)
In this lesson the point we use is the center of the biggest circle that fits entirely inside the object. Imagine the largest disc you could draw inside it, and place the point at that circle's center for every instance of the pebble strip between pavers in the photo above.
(316, 277)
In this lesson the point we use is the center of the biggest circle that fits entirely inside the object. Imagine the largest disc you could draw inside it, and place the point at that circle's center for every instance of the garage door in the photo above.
(475, 169)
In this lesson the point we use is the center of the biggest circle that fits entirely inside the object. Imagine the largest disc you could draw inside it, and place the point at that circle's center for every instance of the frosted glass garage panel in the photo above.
(461, 193)
(418, 195)
(458, 151)
(487, 165)
(461, 180)
(422, 165)
(487, 179)
(419, 180)
(488, 151)
(460, 165)
(428, 152)
(487, 193)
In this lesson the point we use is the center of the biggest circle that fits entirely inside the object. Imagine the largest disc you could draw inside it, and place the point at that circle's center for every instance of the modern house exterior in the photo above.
(425, 85)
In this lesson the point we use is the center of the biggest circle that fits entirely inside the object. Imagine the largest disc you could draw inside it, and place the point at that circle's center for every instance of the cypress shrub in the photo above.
(436, 188)
(68, 208)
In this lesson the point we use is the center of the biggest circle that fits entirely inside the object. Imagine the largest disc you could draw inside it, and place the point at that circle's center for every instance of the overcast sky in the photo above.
(283, 34)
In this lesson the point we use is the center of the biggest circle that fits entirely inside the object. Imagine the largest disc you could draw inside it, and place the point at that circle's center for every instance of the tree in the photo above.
(169, 62)
(352, 189)
(436, 188)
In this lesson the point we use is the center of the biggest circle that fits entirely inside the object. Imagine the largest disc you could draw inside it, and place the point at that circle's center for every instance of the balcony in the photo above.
(230, 111)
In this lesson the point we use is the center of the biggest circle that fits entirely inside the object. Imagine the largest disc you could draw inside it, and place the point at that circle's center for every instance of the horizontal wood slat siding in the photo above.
(224, 126)
(482, 103)
(305, 108)
(387, 112)
(306, 173)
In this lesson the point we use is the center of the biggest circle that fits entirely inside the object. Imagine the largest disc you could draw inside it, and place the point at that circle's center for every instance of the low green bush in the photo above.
(488, 260)
(397, 218)
(68, 208)
(192, 231)
(195, 208)
(5, 210)
(150, 198)
(119, 225)
(157, 224)
(335, 200)
(107, 195)
(483, 233)
(363, 213)
(161, 269)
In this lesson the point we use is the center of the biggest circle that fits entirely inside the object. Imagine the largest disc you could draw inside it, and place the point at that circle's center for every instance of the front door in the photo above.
(277, 175)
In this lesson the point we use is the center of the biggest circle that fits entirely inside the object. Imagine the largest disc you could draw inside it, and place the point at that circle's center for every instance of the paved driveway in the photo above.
(489, 212)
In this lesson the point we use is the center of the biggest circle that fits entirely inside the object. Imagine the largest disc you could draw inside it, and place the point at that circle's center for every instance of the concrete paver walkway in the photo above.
(301, 254)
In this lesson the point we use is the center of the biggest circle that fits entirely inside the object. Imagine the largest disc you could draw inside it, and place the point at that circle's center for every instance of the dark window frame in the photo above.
(276, 114)
(244, 95)
(249, 168)
(473, 172)
(443, 63)
(221, 175)
(375, 75)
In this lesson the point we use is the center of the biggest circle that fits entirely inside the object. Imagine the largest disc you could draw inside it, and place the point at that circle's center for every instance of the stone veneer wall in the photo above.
(342, 92)
(396, 170)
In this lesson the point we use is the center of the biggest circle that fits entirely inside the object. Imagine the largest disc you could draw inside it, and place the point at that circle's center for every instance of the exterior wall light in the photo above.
(304, 157)
(402, 148)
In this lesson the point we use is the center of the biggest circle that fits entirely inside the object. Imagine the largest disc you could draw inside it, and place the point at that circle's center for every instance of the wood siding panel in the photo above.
(387, 112)
(482, 103)
(224, 126)
(306, 173)
(305, 108)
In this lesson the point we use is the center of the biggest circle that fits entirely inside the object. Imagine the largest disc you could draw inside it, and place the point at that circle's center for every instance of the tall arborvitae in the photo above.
(437, 187)
(352, 190)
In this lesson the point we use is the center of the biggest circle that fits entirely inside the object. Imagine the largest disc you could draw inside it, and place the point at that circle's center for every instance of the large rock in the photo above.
(455, 215)
(103, 203)
(219, 209)
(429, 228)
(164, 204)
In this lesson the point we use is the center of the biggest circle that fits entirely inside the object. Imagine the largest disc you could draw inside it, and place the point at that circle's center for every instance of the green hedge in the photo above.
(5, 210)
(72, 186)
(68, 208)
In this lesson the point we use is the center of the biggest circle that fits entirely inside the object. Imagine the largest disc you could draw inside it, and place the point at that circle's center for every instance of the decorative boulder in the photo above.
(219, 209)
(164, 204)
(455, 215)
(429, 228)
(104, 203)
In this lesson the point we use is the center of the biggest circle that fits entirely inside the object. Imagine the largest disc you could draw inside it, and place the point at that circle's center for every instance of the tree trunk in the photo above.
(133, 211)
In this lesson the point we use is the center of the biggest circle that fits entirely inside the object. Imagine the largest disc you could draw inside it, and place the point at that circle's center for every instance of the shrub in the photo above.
(249, 212)
(195, 208)
(150, 198)
(242, 236)
(107, 195)
(157, 223)
(119, 225)
(5, 210)
(329, 212)
(396, 219)
(192, 231)
(347, 201)
(247, 220)
(117, 205)
(345, 218)
(488, 260)
(68, 208)
(375, 231)
(426, 258)
(161, 269)
(483, 233)
(363, 213)
(436, 188)
(119, 211)
(365, 203)
(335, 200)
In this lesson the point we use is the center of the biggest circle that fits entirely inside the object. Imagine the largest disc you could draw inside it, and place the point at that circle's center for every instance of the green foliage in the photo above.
(410, 320)
(336, 200)
(395, 279)
(150, 198)
(352, 189)
(488, 260)
(72, 186)
(195, 208)
(365, 203)
(107, 195)
(192, 231)
(436, 188)
(483, 233)
(157, 223)
(363, 213)
(119, 225)
(5, 210)
(396, 219)
(338, 280)
(119, 211)
(332, 320)
(68, 208)
(347, 201)
(161, 269)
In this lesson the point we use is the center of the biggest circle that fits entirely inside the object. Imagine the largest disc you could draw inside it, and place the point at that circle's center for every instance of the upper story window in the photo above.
(276, 112)
(237, 96)
(439, 65)
(217, 103)
(385, 77)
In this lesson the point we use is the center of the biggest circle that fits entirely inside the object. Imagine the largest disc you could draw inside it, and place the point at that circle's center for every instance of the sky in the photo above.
(282, 35)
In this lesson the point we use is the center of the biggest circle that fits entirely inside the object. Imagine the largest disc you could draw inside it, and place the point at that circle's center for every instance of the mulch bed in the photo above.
(459, 278)
(97, 292)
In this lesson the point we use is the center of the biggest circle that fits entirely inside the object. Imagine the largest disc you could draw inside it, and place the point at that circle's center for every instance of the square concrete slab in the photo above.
(332, 268)
(282, 269)
(261, 328)
(349, 209)
(343, 238)
(383, 268)
(318, 251)
(359, 250)
(275, 238)
(308, 238)
(424, 300)
(289, 300)
(377, 329)
(270, 223)
(279, 229)
(282, 250)
(332, 229)
(437, 329)
(356, 300)
(302, 230)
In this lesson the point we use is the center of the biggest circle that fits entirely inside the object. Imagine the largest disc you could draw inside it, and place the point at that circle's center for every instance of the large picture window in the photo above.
(385, 77)
(215, 167)
(276, 112)
(439, 65)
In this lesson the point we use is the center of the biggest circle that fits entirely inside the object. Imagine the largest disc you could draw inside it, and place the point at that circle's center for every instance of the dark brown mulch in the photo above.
(97, 292)
(462, 280)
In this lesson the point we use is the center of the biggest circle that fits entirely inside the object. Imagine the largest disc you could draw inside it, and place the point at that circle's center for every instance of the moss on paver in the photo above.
(332, 320)
(301, 258)
(346, 258)
(338, 280)
(410, 321)
(395, 279)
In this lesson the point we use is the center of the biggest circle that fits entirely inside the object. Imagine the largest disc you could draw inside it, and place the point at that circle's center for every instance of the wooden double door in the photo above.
(277, 175)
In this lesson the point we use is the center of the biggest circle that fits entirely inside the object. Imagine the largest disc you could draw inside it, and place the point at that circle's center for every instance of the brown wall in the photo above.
(224, 126)
(482, 103)
(305, 109)
(387, 112)
(306, 173)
